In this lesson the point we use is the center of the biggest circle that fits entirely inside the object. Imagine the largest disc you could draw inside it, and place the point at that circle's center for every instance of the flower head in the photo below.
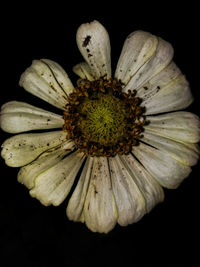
(122, 135)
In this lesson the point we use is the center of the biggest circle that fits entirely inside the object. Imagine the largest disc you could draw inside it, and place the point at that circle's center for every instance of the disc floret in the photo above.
(102, 120)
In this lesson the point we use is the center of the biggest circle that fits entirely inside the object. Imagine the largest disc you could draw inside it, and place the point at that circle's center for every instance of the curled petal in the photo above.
(48, 159)
(129, 200)
(166, 170)
(60, 75)
(100, 212)
(94, 44)
(48, 81)
(53, 185)
(148, 186)
(160, 59)
(77, 200)
(21, 149)
(174, 96)
(187, 153)
(181, 126)
(137, 49)
(19, 117)
(162, 79)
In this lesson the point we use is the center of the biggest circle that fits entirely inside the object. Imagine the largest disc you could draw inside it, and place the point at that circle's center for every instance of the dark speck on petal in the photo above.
(86, 41)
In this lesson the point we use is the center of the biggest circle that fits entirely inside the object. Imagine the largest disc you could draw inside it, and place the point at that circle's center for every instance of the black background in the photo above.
(33, 235)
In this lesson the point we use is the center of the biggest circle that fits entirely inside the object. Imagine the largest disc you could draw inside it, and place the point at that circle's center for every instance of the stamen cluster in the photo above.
(102, 120)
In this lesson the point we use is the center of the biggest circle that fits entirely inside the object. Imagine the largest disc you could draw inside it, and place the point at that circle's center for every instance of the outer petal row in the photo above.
(145, 64)
(47, 80)
(53, 185)
(111, 191)
(45, 161)
(174, 96)
(138, 48)
(93, 201)
(77, 200)
(166, 170)
(130, 202)
(151, 191)
(19, 117)
(100, 213)
(158, 61)
(162, 79)
(21, 149)
(181, 126)
(185, 153)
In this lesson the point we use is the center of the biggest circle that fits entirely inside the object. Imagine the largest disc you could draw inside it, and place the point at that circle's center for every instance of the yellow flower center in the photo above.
(102, 120)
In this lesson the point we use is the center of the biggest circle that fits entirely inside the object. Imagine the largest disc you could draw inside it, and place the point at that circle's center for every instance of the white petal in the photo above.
(130, 202)
(19, 117)
(181, 126)
(166, 170)
(150, 189)
(77, 200)
(94, 44)
(153, 66)
(21, 149)
(174, 96)
(137, 49)
(28, 173)
(187, 154)
(42, 80)
(53, 185)
(60, 75)
(100, 211)
(163, 78)
(84, 71)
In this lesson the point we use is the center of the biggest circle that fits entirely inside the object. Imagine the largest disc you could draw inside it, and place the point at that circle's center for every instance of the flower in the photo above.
(123, 137)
